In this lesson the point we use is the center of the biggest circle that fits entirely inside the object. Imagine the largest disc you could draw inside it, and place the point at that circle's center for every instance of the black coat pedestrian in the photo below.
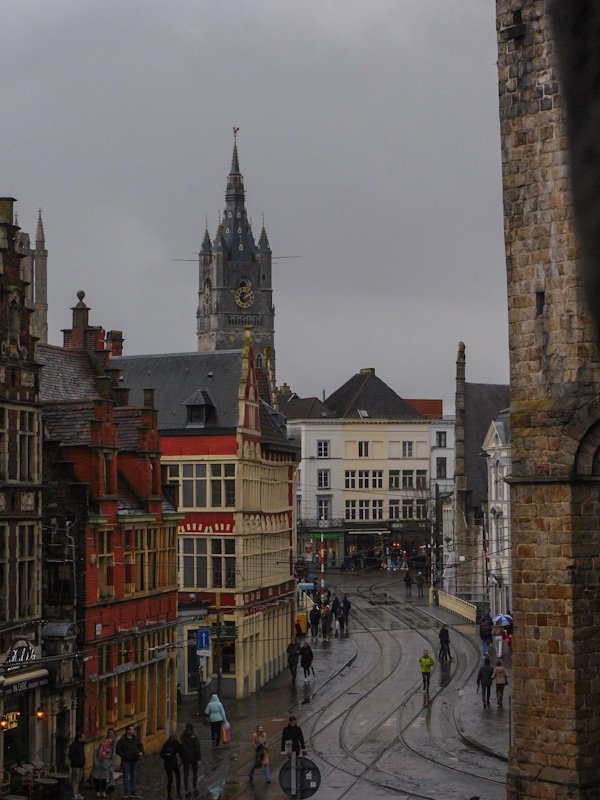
(484, 676)
(190, 747)
(293, 733)
(77, 753)
(306, 656)
(171, 752)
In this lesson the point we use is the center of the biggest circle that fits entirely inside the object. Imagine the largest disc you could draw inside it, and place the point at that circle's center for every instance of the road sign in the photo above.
(308, 777)
(203, 642)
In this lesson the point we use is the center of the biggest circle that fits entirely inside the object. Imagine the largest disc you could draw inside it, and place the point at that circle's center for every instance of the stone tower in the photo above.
(34, 268)
(555, 421)
(235, 280)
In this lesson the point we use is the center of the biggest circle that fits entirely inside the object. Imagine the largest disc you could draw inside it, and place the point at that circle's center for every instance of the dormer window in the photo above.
(200, 409)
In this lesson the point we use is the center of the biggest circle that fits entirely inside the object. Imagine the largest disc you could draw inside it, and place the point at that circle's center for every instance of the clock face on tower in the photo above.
(244, 296)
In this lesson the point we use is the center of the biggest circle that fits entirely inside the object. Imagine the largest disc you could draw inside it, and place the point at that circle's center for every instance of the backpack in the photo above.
(484, 627)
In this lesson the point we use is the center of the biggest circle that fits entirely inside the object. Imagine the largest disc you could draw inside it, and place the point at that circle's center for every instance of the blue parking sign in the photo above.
(203, 640)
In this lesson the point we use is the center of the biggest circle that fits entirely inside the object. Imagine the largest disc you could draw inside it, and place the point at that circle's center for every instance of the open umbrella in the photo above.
(503, 619)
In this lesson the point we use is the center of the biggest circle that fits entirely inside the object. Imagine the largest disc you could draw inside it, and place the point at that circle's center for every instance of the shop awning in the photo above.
(23, 681)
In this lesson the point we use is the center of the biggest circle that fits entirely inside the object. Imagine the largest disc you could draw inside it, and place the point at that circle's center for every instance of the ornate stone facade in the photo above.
(555, 422)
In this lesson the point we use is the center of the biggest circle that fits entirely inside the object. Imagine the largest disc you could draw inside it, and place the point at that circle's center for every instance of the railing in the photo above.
(456, 605)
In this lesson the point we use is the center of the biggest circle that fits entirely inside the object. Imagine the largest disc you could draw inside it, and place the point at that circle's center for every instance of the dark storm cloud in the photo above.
(369, 139)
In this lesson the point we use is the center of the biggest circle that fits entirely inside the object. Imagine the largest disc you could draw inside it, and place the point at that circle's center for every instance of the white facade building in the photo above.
(497, 446)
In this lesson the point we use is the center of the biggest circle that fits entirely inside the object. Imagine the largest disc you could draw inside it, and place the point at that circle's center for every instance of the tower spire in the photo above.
(39, 234)
(235, 163)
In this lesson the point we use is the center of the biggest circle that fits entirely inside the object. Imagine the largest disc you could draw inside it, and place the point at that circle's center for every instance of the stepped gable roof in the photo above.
(273, 431)
(483, 402)
(294, 407)
(176, 377)
(365, 396)
(66, 374)
(68, 422)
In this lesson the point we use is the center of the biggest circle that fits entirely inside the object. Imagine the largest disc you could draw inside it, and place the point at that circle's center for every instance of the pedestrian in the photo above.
(293, 733)
(293, 654)
(335, 605)
(420, 581)
(306, 659)
(498, 635)
(261, 754)
(325, 623)
(444, 636)
(216, 716)
(426, 662)
(171, 753)
(129, 749)
(111, 786)
(485, 633)
(314, 617)
(346, 605)
(342, 621)
(77, 761)
(190, 756)
(102, 764)
(501, 677)
(484, 679)
(408, 582)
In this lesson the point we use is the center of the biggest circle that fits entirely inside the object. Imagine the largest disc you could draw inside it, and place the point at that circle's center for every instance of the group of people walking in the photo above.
(327, 616)
(128, 748)
(300, 653)
(419, 580)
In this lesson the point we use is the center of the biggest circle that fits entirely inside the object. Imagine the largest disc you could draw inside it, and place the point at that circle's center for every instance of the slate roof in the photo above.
(128, 422)
(176, 377)
(273, 431)
(68, 422)
(366, 392)
(294, 407)
(483, 402)
(66, 374)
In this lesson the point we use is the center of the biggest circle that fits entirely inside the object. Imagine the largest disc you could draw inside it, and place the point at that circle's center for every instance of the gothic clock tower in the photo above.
(235, 279)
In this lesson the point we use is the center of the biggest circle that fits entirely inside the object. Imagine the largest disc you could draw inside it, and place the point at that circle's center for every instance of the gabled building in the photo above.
(365, 482)
(227, 453)
(497, 447)
(110, 537)
(23, 673)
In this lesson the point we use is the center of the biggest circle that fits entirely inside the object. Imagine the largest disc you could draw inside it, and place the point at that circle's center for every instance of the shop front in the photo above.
(23, 716)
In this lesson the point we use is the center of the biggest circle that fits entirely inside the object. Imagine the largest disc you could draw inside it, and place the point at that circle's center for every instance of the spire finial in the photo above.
(235, 164)
(39, 235)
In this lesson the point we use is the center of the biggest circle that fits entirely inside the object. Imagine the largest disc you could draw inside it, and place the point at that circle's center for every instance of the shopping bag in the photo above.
(225, 733)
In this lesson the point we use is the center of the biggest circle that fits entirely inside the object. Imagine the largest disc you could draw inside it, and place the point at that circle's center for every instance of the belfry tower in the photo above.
(235, 279)
(555, 426)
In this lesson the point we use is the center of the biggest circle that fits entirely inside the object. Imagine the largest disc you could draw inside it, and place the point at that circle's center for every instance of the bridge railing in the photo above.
(449, 602)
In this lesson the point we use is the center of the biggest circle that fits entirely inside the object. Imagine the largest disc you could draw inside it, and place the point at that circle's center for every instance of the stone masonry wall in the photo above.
(555, 385)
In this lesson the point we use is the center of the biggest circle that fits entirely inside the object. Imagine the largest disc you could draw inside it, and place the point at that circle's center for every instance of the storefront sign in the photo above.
(12, 719)
(22, 652)
(25, 685)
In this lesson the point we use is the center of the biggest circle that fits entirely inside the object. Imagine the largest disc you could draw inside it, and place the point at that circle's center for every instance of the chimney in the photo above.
(114, 342)
(148, 398)
(74, 338)
(6, 219)
(103, 386)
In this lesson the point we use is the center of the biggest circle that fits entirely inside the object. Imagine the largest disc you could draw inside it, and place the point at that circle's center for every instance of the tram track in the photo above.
(405, 714)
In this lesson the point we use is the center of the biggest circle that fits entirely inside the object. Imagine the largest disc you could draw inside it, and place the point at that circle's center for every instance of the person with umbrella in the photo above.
(498, 632)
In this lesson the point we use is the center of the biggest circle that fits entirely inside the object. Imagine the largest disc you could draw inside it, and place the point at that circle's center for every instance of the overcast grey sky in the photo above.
(369, 138)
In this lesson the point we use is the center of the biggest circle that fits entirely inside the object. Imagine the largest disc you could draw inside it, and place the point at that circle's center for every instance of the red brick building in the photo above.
(111, 536)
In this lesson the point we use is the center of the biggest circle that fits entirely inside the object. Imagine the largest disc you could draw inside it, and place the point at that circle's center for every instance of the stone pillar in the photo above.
(555, 418)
